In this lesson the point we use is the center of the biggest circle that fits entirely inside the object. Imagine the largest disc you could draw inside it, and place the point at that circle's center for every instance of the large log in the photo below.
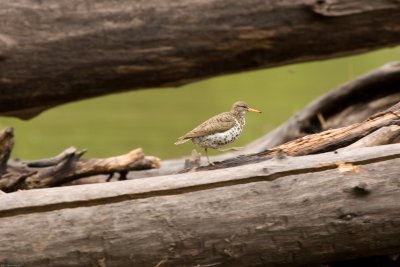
(280, 212)
(55, 52)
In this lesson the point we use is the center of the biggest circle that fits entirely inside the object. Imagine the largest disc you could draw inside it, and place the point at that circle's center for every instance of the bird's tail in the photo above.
(181, 140)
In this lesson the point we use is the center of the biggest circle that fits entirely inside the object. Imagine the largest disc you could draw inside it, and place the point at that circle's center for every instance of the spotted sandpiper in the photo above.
(219, 130)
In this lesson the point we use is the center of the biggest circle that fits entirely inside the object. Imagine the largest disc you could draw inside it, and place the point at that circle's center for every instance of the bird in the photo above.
(219, 130)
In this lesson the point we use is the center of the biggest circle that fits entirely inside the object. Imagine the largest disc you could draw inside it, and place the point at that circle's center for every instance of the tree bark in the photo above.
(56, 52)
(281, 212)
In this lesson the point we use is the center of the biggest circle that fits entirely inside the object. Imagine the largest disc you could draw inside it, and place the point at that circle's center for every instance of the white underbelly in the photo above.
(218, 140)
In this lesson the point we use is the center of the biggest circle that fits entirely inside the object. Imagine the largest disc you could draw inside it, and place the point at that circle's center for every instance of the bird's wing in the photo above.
(217, 124)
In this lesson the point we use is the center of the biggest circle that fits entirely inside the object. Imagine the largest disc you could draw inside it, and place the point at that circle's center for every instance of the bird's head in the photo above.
(242, 108)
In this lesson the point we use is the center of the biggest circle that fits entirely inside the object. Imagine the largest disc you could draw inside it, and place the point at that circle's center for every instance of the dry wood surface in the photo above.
(280, 212)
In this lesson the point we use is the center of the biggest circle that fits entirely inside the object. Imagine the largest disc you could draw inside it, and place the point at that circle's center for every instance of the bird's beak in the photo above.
(253, 110)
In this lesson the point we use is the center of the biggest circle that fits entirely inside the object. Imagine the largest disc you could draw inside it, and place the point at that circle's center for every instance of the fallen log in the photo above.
(70, 50)
(280, 212)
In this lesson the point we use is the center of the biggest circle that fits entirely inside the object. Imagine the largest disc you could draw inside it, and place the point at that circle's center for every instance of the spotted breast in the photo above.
(218, 140)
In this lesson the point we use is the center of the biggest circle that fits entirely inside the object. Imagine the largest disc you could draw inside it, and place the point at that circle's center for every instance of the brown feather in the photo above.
(217, 124)
(181, 140)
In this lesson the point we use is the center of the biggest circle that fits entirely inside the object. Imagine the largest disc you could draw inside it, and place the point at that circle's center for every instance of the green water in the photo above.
(153, 119)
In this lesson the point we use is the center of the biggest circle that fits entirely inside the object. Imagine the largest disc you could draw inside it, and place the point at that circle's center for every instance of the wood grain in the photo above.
(288, 212)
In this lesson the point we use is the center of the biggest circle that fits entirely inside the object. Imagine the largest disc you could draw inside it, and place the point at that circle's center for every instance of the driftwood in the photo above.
(280, 212)
(65, 167)
(350, 103)
(72, 50)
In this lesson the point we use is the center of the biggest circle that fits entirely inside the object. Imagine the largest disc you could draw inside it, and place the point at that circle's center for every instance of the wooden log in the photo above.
(340, 137)
(281, 212)
(52, 53)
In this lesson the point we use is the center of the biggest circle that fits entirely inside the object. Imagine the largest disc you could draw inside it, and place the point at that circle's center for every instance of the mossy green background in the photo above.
(153, 119)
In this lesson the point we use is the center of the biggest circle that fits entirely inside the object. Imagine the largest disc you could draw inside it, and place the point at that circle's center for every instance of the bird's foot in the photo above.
(211, 163)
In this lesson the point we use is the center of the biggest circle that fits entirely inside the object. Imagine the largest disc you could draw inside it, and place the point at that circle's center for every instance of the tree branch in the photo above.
(68, 167)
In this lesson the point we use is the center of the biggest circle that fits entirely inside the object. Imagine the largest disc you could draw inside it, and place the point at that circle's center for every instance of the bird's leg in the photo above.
(208, 159)
(230, 149)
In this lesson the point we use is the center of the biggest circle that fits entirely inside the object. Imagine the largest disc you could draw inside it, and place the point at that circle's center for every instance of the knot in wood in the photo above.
(265, 170)
(348, 216)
